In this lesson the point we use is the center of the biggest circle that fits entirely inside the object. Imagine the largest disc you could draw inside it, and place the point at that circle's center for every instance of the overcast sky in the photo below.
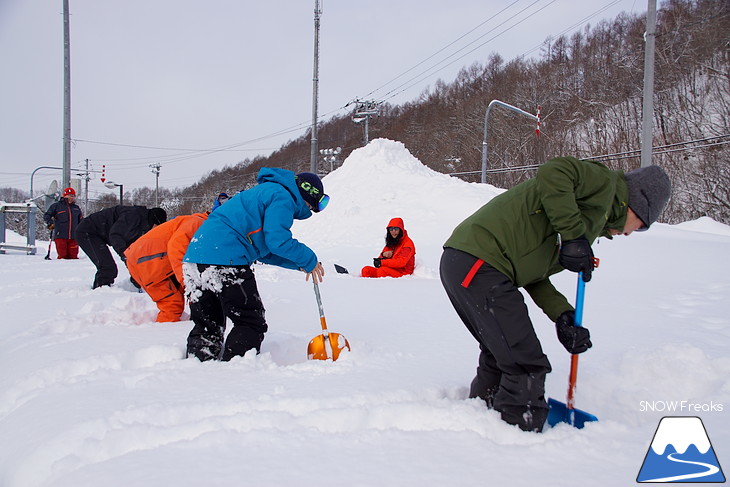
(175, 81)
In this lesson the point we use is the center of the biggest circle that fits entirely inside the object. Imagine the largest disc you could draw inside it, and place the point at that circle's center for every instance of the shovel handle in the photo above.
(573, 378)
(329, 352)
(322, 319)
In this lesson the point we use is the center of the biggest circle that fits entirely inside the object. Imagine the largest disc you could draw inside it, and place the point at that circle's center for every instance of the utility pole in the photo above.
(315, 89)
(647, 115)
(156, 170)
(86, 189)
(66, 98)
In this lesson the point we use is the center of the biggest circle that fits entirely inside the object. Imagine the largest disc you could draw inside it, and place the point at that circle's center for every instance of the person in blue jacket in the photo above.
(219, 200)
(254, 225)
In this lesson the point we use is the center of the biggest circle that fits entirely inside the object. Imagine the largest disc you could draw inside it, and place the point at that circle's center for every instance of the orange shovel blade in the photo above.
(318, 346)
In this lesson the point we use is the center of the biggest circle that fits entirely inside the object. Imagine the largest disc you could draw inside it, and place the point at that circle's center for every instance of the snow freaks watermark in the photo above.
(681, 451)
(680, 407)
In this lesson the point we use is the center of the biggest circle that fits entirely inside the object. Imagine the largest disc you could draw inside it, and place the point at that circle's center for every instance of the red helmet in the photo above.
(68, 192)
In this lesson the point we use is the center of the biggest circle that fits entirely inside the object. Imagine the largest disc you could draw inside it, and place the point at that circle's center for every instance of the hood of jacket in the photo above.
(397, 222)
(286, 178)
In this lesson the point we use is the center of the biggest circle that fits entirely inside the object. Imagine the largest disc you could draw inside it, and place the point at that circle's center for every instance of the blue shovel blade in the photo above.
(559, 413)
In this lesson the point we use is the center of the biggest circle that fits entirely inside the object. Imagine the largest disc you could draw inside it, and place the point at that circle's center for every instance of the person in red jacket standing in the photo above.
(62, 217)
(154, 261)
(398, 257)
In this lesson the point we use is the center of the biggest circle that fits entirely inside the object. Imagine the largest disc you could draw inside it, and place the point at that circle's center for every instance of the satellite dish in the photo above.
(53, 188)
(51, 195)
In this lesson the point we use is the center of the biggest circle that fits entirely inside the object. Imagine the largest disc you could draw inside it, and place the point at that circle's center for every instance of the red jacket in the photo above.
(404, 254)
(158, 254)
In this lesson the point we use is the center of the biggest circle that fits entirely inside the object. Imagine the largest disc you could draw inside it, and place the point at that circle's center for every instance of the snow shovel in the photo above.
(566, 412)
(50, 242)
(327, 345)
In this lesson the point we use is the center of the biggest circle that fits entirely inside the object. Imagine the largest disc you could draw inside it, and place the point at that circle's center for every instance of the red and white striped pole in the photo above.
(537, 130)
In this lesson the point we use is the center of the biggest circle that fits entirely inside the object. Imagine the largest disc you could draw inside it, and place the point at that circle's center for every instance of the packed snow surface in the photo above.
(94, 393)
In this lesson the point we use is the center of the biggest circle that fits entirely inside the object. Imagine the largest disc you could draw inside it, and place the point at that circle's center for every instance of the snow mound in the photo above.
(384, 180)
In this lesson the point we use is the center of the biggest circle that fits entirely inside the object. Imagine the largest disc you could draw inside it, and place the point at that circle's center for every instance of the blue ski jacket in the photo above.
(255, 225)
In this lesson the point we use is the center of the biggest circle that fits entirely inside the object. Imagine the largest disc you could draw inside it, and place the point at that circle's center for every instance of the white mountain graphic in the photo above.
(680, 432)
(681, 451)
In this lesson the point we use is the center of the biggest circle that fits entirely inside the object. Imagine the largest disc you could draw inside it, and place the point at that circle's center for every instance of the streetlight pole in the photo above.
(112, 185)
(486, 120)
(330, 155)
(35, 171)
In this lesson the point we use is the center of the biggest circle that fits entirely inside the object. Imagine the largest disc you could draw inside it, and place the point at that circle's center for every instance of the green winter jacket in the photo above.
(519, 231)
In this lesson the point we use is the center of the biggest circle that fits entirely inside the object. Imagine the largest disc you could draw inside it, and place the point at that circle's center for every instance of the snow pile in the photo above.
(93, 392)
(376, 183)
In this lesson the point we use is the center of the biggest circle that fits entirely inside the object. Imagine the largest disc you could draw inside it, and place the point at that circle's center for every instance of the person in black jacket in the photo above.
(118, 227)
(62, 218)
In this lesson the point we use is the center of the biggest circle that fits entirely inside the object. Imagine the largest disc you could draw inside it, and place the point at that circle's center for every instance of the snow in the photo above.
(93, 392)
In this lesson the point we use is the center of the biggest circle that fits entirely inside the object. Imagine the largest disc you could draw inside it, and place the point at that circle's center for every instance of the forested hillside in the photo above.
(589, 87)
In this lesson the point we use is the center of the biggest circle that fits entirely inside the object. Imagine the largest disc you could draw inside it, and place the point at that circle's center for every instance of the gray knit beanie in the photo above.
(649, 191)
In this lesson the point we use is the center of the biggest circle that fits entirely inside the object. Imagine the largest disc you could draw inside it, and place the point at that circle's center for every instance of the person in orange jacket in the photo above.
(398, 257)
(155, 262)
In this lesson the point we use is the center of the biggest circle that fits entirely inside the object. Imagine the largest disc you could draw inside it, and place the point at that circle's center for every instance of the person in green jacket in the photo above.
(518, 240)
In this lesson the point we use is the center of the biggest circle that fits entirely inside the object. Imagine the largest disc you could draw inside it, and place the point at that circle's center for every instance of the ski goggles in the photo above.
(323, 202)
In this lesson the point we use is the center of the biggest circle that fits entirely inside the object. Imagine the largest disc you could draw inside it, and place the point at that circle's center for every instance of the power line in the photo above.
(420, 77)
(574, 26)
(661, 149)
(441, 50)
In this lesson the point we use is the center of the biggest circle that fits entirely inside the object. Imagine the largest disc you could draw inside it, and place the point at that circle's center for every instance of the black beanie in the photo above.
(311, 189)
(156, 216)
(649, 191)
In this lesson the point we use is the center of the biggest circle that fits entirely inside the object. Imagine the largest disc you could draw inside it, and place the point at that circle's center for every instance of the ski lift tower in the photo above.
(362, 113)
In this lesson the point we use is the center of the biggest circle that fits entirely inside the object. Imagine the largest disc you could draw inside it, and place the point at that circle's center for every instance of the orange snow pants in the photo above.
(169, 299)
(370, 271)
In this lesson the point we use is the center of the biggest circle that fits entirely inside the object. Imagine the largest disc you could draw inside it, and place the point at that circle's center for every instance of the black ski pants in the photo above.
(98, 251)
(512, 366)
(217, 293)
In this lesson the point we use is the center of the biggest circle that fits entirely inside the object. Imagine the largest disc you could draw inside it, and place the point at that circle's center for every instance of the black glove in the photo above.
(376, 261)
(575, 339)
(576, 255)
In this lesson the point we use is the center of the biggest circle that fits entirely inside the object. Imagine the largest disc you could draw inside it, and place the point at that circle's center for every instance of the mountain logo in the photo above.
(681, 452)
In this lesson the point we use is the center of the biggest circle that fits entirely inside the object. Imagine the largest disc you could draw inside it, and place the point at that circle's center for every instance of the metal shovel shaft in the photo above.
(573, 378)
(327, 345)
(566, 412)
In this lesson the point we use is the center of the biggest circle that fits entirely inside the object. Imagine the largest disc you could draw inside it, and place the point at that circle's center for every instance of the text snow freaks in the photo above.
(680, 407)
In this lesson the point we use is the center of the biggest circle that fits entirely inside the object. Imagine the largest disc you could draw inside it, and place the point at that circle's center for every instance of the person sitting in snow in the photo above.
(117, 226)
(517, 240)
(398, 257)
(255, 225)
(219, 200)
(154, 261)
